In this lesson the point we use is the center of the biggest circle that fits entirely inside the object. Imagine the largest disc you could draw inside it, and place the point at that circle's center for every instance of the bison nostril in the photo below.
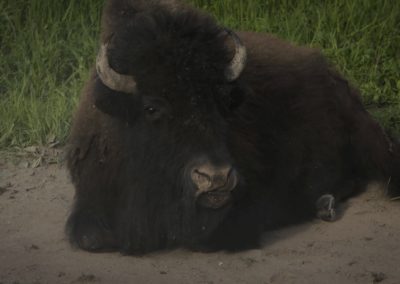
(201, 179)
(231, 180)
(220, 180)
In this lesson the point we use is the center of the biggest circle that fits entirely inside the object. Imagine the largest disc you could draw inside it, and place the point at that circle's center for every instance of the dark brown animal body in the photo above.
(182, 138)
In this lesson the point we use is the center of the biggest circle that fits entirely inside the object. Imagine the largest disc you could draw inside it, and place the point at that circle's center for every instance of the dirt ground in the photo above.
(362, 247)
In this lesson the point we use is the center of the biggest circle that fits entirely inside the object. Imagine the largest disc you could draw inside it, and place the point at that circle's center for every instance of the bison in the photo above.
(191, 135)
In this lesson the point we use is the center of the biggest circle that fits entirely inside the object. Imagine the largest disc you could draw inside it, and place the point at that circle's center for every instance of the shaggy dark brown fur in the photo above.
(291, 126)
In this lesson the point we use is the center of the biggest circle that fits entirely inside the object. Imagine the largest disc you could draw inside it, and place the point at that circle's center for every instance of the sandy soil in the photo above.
(362, 247)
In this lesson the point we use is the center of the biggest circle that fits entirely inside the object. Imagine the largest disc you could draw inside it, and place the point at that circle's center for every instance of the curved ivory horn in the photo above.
(110, 78)
(236, 66)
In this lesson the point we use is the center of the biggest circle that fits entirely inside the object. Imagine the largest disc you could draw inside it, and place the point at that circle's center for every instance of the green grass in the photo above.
(47, 48)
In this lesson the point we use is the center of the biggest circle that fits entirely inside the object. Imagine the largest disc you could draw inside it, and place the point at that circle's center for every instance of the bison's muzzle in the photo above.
(213, 184)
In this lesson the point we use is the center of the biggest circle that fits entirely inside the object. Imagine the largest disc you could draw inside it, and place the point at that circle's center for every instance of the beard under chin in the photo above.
(200, 222)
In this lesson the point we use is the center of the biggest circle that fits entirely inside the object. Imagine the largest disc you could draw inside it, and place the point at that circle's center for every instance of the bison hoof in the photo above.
(95, 241)
(91, 242)
(326, 208)
(90, 234)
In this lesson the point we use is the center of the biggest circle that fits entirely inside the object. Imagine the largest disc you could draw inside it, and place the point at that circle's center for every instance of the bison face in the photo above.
(178, 114)
(173, 93)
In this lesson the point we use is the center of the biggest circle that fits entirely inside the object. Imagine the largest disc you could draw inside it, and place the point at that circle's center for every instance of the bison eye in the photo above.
(153, 113)
(154, 107)
(150, 110)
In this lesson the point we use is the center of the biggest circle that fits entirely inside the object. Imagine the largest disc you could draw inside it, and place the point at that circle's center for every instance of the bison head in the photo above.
(172, 78)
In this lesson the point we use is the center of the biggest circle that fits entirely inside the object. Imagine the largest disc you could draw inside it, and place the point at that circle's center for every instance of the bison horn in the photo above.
(109, 77)
(236, 66)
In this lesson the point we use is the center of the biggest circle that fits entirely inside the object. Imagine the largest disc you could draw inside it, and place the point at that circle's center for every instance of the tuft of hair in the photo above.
(145, 34)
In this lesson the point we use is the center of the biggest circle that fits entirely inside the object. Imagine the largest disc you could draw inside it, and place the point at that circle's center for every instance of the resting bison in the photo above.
(188, 134)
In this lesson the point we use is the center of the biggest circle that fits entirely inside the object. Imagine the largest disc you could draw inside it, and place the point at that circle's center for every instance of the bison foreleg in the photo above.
(89, 232)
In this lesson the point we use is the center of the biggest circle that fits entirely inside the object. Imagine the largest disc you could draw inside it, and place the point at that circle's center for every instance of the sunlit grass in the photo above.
(46, 49)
